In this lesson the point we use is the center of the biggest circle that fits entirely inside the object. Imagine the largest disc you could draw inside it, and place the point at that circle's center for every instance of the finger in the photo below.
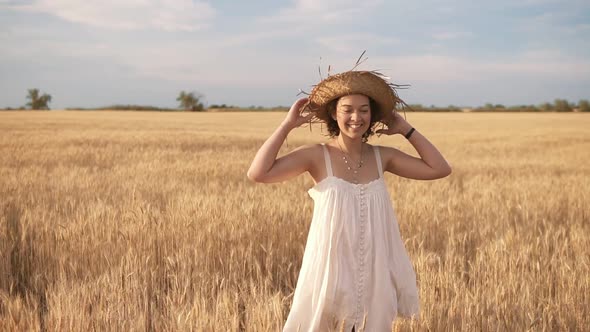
(300, 102)
(302, 118)
(306, 118)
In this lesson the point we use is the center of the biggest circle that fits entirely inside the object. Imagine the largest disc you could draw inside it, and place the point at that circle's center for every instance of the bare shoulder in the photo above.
(309, 148)
(308, 151)
(386, 152)
(312, 155)
(389, 156)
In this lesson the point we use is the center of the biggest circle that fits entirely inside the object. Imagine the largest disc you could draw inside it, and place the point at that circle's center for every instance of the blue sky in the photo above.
(466, 53)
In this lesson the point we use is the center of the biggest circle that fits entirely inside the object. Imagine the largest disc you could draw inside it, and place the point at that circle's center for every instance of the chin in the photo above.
(354, 134)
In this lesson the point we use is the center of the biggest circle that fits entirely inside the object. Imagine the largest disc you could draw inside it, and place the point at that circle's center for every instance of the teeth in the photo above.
(355, 125)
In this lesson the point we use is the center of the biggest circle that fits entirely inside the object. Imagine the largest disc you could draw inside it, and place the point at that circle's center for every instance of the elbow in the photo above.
(446, 171)
(252, 176)
(441, 172)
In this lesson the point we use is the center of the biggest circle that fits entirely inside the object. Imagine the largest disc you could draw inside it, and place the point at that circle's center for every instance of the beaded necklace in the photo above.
(350, 168)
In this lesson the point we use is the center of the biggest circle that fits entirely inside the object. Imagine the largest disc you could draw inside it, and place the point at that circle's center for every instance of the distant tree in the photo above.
(190, 101)
(584, 106)
(218, 106)
(562, 105)
(36, 101)
(453, 108)
(545, 107)
(487, 107)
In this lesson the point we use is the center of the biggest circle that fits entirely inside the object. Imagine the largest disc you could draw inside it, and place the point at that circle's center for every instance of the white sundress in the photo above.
(355, 269)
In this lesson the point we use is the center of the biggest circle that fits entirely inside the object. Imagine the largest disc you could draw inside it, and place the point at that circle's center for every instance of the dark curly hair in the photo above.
(334, 130)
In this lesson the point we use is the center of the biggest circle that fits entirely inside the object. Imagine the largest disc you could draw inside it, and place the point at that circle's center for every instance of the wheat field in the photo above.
(145, 221)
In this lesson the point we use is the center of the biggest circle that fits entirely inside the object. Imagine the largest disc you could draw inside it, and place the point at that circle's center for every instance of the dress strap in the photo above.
(378, 160)
(327, 160)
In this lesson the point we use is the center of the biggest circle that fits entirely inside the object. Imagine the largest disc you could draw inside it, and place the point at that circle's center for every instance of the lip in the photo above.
(355, 125)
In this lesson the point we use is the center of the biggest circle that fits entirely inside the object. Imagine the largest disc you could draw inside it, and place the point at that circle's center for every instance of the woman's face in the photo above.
(353, 114)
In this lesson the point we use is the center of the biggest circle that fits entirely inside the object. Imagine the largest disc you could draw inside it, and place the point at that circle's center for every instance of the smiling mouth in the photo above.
(356, 125)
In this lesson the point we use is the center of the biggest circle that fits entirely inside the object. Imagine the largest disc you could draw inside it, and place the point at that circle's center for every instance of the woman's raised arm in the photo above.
(431, 164)
(266, 167)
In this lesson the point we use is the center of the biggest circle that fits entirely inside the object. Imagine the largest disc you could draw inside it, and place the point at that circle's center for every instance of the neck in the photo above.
(351, 146)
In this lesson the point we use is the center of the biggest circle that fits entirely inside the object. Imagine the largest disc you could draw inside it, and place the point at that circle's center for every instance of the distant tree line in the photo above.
(559, 105)
(188, 101)
(125, 107)
(192, 101)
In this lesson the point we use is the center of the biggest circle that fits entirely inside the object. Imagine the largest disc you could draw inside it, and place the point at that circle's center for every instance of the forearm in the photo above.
(428, 152)
(267, 154)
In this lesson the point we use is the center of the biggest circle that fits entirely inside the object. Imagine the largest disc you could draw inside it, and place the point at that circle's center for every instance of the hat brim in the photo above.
(366, 83)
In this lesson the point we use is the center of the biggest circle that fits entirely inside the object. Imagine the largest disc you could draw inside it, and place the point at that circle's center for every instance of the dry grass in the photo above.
(145, 221)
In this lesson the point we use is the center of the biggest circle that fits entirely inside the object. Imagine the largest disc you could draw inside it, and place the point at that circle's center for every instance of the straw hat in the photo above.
(369, 83)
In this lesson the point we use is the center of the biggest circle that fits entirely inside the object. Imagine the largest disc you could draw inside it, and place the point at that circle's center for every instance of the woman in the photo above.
(355, 274)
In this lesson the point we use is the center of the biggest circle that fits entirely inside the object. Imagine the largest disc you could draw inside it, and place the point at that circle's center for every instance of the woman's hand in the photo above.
(295, 117)
(396, 125)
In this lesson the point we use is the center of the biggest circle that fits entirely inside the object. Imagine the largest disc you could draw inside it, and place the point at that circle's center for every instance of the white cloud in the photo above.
(320, 12)
(349, 43)
(255, 36)
(450, 35)
(582, 28)
(171, 15)
(539, 64)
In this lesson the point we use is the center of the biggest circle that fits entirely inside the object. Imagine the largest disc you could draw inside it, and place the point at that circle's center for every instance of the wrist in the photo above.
(405, 129)
(286, 126)
(409, 133)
